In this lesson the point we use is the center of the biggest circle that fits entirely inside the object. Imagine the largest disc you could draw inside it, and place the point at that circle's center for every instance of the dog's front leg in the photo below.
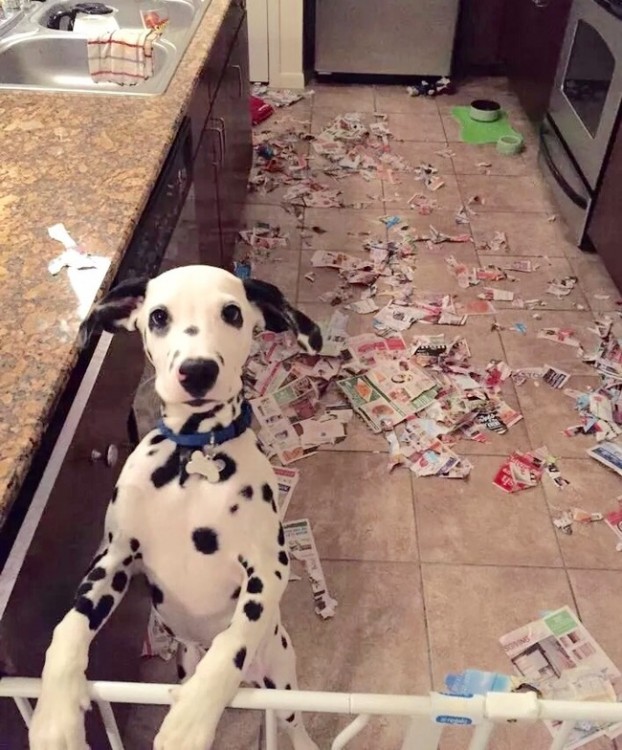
(58, 721)
(198, 704)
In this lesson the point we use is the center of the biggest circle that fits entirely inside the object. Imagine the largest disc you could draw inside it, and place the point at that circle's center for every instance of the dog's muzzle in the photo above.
(198, 375)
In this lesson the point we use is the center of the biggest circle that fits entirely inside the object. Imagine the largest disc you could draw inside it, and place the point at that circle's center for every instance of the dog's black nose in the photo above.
(197, 376)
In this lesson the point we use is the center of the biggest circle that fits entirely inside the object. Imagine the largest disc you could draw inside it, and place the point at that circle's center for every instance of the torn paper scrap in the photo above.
(608, 454)
(577, 669)
(363, 306)
(553, 473)
(301, 544)
(73, 256)
(287, 479)
(159, 640)
(555, 377)
(560, 335)
(519, 471)
(497, 295)
(613, 519)
(562, 287)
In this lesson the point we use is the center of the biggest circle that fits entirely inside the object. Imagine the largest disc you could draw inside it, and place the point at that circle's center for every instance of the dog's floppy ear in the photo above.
(280, 316)
(118, 309)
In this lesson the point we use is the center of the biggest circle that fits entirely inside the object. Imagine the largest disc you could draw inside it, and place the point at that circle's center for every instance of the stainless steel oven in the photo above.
(588, 87)
(584, 107)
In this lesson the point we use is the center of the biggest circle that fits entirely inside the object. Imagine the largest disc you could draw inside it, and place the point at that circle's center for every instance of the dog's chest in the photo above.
(191, 531)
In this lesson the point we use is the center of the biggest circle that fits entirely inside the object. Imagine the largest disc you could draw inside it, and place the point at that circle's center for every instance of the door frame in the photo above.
(285, 43)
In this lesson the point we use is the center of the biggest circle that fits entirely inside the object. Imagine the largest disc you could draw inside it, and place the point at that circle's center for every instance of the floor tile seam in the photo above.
(583, 569)
(299, 269)
(563, 309)
(501, 566)
(370, 561)
(539, 566)
(426, 620)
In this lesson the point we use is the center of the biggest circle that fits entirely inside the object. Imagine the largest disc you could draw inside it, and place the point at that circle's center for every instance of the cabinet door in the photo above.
(209, 78)
(534, 32)
(233, 97)
(478, 40)
(207, 165)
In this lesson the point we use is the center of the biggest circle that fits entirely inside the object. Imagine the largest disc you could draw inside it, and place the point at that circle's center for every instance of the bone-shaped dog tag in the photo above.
(205, 466)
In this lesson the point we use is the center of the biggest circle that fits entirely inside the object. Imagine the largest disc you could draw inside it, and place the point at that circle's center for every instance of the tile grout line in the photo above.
(426, 619)
(442, 564)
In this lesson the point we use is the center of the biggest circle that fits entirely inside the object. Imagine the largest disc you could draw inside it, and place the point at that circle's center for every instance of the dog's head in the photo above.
(197, 325)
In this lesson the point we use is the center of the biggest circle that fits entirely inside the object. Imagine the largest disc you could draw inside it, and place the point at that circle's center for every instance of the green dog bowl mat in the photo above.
(472, 131)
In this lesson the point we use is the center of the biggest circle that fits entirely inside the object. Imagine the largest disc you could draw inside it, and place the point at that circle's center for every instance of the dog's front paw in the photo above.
(190, 724)
(58, 720)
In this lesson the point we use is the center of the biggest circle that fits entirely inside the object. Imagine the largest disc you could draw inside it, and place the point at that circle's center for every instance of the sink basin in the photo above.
(33, 57)
(179, 12)
(59, 63)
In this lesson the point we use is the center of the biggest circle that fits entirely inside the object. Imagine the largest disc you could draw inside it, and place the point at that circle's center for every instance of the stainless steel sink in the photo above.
(33, 57)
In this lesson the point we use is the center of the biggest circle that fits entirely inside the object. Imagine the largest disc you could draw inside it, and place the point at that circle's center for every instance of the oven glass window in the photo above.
(588, 75)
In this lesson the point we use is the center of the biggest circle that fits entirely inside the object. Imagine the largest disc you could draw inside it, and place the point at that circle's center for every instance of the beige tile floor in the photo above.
(428, 572)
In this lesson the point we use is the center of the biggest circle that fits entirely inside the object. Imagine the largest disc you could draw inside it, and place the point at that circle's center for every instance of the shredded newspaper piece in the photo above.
(557, 656)
(301, 544)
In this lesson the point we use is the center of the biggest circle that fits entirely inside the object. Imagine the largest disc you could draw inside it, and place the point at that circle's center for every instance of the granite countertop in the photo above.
(89, 161)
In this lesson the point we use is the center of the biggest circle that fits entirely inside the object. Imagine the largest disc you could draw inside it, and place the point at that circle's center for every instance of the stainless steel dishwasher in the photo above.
(392, 37)
(56, 524)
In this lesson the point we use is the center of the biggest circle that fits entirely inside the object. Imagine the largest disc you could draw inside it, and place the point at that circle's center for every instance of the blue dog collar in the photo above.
(213, 437)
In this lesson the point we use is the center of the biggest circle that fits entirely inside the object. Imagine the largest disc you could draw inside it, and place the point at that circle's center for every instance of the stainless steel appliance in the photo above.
(393, 37)
(584, 106)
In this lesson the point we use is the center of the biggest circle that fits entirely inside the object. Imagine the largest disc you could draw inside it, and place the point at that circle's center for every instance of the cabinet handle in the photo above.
(110, 457)
(541, 3)
(223, 134)
(221, 144)
(238, 69)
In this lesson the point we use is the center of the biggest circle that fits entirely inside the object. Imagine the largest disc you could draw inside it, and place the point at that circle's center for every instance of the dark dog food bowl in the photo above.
(485, 110)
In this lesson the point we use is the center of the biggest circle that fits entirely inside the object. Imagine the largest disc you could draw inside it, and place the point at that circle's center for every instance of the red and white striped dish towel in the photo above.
(123, 56)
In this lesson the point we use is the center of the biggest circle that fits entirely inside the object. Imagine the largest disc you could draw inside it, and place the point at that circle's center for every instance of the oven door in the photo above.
(571, 193)
(588, 86)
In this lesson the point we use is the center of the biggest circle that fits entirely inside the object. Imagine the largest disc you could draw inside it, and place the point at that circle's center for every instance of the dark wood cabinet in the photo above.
(532, 40)
(206, 168)
(232, 187)
(603, 229)
(479, 37)
(221, 122)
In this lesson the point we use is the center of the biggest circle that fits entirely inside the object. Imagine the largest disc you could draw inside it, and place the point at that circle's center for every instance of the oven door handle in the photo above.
(577, 199)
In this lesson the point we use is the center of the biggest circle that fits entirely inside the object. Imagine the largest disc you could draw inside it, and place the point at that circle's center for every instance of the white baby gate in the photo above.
(429, 715)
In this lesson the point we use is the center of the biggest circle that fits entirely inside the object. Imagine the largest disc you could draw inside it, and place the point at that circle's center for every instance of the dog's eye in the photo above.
(159, 318)
(232, 315)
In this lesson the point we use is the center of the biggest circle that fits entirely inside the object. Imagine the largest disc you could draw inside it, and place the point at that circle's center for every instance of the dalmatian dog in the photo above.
(194, 510)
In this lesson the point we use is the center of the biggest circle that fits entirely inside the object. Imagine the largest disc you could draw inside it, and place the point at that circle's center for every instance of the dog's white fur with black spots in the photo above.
(213, 551)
